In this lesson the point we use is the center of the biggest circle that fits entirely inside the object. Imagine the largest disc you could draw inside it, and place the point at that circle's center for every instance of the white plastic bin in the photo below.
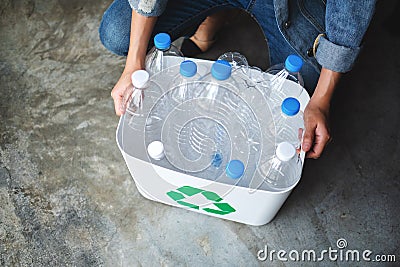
(231, 202)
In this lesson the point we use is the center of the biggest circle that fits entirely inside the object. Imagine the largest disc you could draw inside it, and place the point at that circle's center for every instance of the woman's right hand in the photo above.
(118, 91)
(141, 29)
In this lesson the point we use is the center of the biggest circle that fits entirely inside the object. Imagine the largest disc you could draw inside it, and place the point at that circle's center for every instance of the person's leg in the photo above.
(205, 35)
(115, 27)
(181, 17)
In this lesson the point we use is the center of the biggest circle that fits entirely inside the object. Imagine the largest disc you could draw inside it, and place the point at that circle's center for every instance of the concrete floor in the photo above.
(67, 197)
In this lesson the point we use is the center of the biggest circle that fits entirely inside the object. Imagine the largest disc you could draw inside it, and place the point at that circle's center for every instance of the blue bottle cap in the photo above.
(162, 41)
(293, 63)
(235, 169)
(290, 106)
(188, 68)
(221, 70)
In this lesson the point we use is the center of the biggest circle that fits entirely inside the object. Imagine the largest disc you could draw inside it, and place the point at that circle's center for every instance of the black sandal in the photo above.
(189, 48)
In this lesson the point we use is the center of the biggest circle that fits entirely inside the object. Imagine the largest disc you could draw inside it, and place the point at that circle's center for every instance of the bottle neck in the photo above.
(284, 160)
(219, 81)
(187, 79)
(291, 72)
(289, 116)
(163, 50)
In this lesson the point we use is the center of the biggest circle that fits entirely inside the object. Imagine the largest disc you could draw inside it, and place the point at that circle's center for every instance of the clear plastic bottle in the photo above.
(234, 169)
(261, 81)
(237, 60)
(290, 70)
(201, 140)
(156, 153)
(192, 151)
(283, 170)
(157, 56)
(237, 126)
(289, 122)
(220, 75)
(138, 99)
(182, 85)
(203, 128)
(132, 101)
(156, 150)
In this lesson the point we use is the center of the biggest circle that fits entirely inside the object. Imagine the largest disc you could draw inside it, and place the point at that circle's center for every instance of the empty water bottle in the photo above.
(283, 170)
(137, 101)
(204, 128)
(132, 101)
(289, 122)
(219, 126)
(156, 150)
(234, 169)
(259, 79)
(237, 60)
(219, 76)
(158, 55)
(281, 73)
(182, 85)
(190, 150)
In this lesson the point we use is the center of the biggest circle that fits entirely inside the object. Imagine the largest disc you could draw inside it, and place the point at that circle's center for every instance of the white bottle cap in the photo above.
(156, 150)
(285, 151)
(140, 78)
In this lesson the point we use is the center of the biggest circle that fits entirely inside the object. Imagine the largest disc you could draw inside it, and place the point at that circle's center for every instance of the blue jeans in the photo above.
(181, 18)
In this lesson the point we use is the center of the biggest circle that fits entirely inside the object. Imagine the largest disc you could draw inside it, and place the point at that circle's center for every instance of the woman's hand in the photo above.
(317, 133)
(118, 91)
(141, 29)
(316, 115)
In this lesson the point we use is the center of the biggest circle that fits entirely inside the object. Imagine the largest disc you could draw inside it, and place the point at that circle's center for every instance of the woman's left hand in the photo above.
(317, 132)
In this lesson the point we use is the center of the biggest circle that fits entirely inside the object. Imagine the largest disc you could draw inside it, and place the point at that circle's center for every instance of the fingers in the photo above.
(322, 138)
(316, 125)
(117, 94)
(117, 103)
(308, 138)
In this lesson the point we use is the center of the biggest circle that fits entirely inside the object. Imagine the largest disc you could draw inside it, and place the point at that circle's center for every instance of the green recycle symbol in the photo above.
(223, 208)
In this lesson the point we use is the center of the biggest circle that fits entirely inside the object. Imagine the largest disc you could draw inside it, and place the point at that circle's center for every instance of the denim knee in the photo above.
(114, 30)
(112, 39)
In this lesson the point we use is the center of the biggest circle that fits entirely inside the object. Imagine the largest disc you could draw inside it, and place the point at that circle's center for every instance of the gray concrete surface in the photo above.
(66, 196)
